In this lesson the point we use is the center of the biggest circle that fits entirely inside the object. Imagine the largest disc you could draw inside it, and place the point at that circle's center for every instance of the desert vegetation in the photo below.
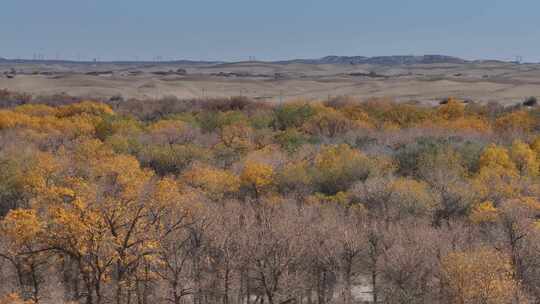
(234, 201)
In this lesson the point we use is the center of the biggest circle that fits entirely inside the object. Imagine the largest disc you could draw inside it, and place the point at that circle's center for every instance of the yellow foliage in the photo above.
(535, 145)
(356, 113)
(495, 156)
(215, 182)
(481, 276)
(390, 126)
(525, 158)
(295, 175)
(21, 226)
(336, 168)
(498, 178)
(257, 175)
(336, 159)
(10, 119)
(237, 136)
(453, 109)
(331, 122)
(516, 121)
(166, 191)
(42, 172)
(13, 298)
(36, 110)
(531, 203)
(484, 213)
(91, 149)
(167, 130)
(105, 207)
(412, 196)
(406, 115)
(472, 123)
(497, 183)
(124, 172)
(72, 126)
(77, 228)
(85, 107)
(341, 198)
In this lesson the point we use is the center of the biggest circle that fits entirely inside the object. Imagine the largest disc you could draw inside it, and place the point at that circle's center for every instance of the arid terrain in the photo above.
(481, 81)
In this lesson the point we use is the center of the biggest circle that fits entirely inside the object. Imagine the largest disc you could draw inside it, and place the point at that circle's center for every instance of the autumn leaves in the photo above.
(234, 201)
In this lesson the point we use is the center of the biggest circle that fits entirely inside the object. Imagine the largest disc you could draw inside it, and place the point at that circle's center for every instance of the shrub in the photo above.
(409, 156)
(292, 115)
(291, 139)
(328, 122)
(405, 115)
(515, 121)
(172, 159)
(336, 168)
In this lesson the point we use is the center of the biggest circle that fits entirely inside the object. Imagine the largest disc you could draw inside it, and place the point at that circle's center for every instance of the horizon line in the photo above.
(159, 59)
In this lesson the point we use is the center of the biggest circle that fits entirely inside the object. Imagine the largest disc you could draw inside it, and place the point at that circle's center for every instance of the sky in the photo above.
(235, 30)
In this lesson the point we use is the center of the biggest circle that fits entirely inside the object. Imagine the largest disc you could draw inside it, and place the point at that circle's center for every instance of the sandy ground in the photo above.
(488, 81)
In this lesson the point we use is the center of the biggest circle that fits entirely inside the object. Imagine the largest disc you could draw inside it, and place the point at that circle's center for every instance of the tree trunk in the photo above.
(374, 287)
(226, 283)
(240, 298)
(35, 283)
(88, 287)
(118, 294)
(248, 290)
(321, 287)
(347, 293)
(99, 297)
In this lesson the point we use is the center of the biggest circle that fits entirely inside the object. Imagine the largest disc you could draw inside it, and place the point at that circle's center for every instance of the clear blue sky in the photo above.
(270, 29)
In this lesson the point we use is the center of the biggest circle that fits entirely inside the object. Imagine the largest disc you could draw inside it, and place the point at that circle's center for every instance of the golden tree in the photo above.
(498, 177)
(480, 276)
(21, 232)
(257, 176)
(525, 159)
(452, 109)
(217, 183)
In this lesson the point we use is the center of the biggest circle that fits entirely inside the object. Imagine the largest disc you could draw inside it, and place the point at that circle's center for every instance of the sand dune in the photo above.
(503, 82)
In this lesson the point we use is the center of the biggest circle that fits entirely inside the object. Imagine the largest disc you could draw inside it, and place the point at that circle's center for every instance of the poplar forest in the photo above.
(237, 201)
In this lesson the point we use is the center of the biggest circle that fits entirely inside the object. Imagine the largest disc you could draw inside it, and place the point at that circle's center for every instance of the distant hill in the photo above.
(381, 60)
(187, 62)
(338, 60)
(60, 61)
